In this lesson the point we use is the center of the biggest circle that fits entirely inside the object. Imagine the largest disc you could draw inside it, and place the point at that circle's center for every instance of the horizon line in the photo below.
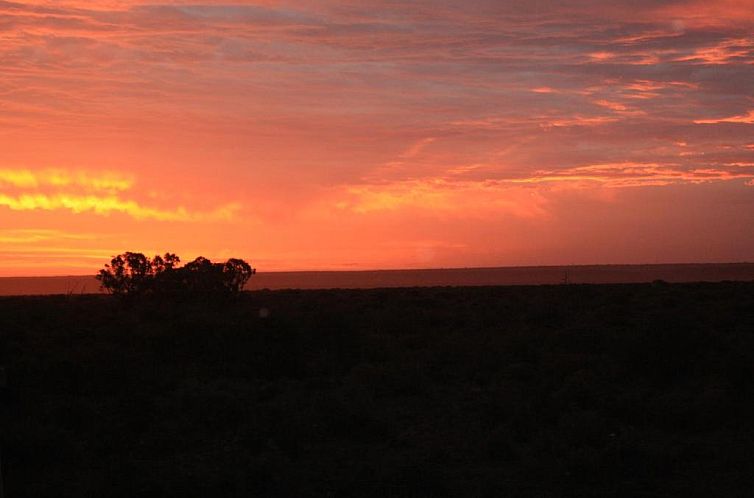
(449, 268)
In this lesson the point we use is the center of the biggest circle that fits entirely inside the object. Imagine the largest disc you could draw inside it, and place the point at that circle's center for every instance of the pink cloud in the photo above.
(406, 114)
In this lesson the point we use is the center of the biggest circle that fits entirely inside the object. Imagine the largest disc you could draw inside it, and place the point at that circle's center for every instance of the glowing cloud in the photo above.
(747, 118)
(80, 192)
(25, 178)
(310, 134)
(638, 174)
(31, 235)
(459, 198)
(106, 205)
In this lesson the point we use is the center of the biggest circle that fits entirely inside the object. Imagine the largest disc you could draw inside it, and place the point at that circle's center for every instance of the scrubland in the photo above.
(641, 390)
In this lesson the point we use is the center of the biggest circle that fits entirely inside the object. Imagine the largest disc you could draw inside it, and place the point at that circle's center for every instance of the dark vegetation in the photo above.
(132, 276)
(552, 391)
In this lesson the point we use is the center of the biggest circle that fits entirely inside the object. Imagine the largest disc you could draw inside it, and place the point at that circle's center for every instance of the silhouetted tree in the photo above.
(165, 263)
(127, 273)
(133, 274)
(202, 277)
(236, 272)
(166, 279)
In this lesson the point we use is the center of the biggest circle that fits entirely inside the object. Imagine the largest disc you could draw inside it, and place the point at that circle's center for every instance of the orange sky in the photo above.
(378, 134)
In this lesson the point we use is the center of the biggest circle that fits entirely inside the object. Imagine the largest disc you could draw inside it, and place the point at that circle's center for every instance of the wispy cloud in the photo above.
(32, 235)
(94, 181)
(104, 205)
(641, 174)
(82, 192)
(747, 118)
(476, 109)
(459, 198)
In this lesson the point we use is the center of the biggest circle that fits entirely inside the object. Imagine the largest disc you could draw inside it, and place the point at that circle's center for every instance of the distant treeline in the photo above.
(134, 274)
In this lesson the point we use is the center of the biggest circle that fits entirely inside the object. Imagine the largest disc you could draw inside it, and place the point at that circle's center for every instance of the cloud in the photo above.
(480, 109)
(442, 197)
(747, 118)
(640, 174)
(18, 178)
(104, 205)
(94, 181)
(515, 196)
(724, 52)
(34, 235)
(98, 193)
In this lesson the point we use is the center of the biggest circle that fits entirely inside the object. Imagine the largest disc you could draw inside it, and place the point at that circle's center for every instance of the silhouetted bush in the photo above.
(132, 275)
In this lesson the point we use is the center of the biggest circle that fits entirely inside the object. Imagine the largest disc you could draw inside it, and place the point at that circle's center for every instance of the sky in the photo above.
(342, 134)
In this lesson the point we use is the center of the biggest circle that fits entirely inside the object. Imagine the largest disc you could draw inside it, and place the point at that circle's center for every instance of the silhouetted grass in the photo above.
(551, 391)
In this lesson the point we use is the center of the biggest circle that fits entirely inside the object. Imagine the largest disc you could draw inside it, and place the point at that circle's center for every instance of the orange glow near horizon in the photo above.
(346, 135)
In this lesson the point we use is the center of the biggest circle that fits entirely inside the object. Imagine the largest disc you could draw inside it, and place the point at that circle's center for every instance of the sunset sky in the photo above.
(342, 134)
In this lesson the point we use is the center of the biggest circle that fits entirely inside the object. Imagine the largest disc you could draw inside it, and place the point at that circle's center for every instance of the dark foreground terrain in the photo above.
(642, 390)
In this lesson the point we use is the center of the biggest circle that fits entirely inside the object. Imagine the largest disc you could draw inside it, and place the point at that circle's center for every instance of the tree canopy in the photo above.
(134, 274)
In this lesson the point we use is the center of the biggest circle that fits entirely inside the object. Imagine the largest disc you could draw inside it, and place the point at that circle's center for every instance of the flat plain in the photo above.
(635, 390)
